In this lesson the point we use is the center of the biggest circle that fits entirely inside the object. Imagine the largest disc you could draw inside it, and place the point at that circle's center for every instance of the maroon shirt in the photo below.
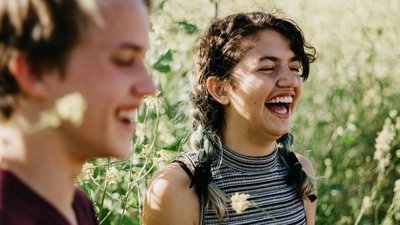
(20, 205)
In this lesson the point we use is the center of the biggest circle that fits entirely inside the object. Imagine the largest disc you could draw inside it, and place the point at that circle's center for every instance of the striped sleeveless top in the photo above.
(273, 201)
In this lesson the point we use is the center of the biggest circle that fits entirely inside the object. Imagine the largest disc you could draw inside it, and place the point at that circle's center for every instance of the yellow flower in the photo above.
(239, 202)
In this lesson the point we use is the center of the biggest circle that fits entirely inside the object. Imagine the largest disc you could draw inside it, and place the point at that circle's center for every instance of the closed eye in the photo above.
(123, 62)
(295, 69)
(267, 69)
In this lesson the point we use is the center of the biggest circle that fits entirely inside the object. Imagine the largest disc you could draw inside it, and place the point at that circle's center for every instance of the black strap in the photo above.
(200, 195)
(184, 167)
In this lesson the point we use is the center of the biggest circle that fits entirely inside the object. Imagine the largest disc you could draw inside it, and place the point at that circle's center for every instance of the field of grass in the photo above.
(347, 121)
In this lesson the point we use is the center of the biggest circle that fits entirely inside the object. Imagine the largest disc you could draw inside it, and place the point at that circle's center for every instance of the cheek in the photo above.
(299, 88)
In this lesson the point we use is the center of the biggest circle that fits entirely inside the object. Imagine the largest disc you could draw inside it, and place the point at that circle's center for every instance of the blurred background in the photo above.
(347, 121)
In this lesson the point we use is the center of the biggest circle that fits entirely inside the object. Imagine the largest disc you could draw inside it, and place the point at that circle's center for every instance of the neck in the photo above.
(250, 146)
(42, 163)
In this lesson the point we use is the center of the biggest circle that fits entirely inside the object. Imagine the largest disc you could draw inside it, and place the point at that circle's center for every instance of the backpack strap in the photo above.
(200, 195)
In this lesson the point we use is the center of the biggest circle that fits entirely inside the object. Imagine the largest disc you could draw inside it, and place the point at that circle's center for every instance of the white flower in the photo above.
(71, 108)
(384, 140)
(112, 175)
(393, 113)
(165, 155)
(146, 150)
(48, 118)
(367, 202)
(239, 202)
(140, 132)
(87, 171)
(396, 197)
(152, 102)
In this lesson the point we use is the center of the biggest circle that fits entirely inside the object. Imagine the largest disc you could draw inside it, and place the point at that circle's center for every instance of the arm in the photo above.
(169, 201)
(310, 207)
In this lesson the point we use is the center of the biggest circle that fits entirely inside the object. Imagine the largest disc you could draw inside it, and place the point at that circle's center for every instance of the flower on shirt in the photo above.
(240, 202)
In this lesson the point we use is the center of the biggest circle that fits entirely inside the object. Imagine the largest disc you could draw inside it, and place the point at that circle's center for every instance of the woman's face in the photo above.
(108, 70)
(264, 89)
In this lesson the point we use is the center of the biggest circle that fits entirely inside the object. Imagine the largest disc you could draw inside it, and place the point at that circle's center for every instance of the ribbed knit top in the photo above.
(263, 178)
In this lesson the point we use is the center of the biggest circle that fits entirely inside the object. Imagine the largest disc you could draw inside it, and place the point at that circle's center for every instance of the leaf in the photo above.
(162, 64)
(188, 27)
(162, 68)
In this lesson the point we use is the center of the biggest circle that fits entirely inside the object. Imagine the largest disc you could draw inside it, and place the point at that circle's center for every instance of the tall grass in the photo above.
(347, 121)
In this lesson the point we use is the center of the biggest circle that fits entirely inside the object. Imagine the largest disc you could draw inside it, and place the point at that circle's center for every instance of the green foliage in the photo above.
(162, 64)
(347, 121)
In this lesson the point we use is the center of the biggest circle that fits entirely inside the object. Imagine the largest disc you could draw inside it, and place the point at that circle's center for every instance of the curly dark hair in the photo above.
(220, 49)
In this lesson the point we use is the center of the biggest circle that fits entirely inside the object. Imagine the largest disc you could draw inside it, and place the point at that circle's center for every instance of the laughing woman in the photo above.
(80, 63)
(248, 77)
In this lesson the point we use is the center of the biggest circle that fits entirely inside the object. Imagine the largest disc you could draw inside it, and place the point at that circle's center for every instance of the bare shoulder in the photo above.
(169, 200)
(307, 166)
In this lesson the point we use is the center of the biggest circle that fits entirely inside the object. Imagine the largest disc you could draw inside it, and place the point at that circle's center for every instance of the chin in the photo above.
(121, 152)
(116, 151)
(281, 133)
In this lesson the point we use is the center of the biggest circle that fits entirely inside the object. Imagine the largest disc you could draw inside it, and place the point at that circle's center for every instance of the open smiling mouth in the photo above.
(127, 116)
(280, 105)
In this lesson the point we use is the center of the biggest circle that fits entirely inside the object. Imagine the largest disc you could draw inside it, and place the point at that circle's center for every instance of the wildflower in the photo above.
(387, 221)
(384, 140)
(340, 131)
(48, 118)
(328, 169)
(147, 150)
(393, 113)
(152, 102)
(87, 171)
(112, 175)
(71, 108)
(396, 197)
(165, 155)
(239, 202)
(367, 202)
(140, 132)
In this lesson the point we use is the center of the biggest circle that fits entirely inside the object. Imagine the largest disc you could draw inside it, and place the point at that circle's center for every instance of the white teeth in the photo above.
(127, 115)
(286, 99)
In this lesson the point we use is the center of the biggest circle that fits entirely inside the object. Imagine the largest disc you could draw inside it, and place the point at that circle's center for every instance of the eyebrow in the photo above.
(131, 46)
(275, 59)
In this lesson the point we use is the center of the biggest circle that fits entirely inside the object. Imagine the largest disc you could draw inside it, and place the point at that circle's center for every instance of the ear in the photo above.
(26, 79)
(218, 90)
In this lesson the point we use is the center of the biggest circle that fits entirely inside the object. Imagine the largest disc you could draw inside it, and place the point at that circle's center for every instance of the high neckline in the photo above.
(249, 163)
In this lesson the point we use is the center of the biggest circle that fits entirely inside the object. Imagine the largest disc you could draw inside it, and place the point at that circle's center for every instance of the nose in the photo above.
(144, 84)
(288, 78)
